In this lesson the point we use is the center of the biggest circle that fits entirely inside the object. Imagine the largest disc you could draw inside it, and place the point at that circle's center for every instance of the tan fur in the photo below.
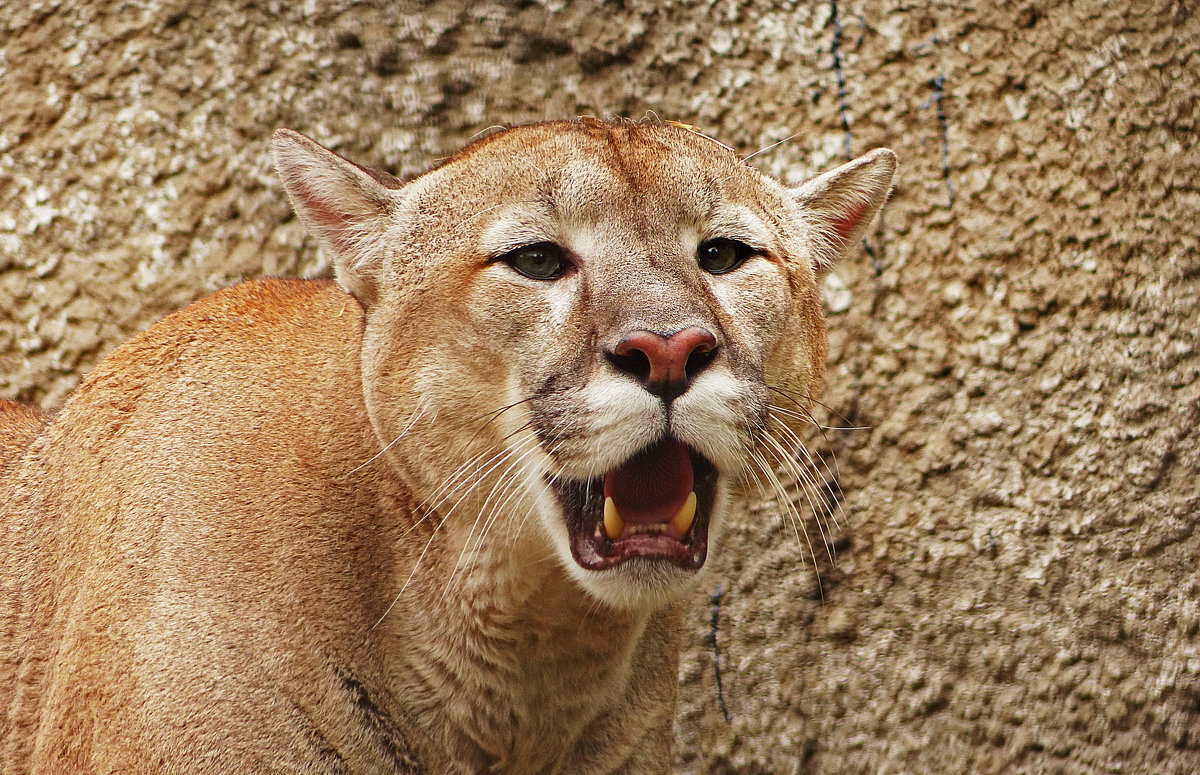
(19, 424)
(294, 528)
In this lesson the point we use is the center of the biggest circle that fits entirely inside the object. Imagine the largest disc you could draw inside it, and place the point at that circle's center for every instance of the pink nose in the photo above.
(665, 365)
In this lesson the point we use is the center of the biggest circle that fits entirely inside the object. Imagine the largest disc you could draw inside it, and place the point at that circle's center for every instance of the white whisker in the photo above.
(807, 469)
(502, 482)
(416, 415)
(777, 452)
(769, 147)
(784, 499)
(817, 465)
(808, 419)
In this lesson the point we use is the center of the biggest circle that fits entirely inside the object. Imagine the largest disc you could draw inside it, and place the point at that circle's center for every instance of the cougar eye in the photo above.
(540, 261)
(719, 256)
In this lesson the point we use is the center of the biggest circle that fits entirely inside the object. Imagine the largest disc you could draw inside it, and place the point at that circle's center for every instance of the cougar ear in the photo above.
(842, 202)
(343, 205)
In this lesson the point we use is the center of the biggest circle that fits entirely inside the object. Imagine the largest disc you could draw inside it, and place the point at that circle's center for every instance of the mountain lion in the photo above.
(436, 516)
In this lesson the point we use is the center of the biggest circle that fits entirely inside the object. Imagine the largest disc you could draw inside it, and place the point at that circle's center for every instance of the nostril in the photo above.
(633, 362)
(699, 360)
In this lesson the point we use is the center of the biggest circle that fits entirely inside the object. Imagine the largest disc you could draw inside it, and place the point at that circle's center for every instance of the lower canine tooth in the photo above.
(613, 524)
(683, 518)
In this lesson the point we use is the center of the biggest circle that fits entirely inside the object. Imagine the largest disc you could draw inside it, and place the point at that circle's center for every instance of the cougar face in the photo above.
(577, 327)
(646, 382)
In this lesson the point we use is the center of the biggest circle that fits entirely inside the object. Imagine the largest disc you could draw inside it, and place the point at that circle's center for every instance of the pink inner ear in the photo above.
(319, 210)
(844, 225)
(330, 221)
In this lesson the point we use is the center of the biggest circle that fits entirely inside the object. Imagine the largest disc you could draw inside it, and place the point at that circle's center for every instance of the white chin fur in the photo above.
(637, 584)
(705, 419)
(622, 419)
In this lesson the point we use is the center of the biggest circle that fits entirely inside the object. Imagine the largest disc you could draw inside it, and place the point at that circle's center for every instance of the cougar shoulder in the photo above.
(19, 424)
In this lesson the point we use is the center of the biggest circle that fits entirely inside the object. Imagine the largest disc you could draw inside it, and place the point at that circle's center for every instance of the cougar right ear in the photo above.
(345, 206)
(842, 202)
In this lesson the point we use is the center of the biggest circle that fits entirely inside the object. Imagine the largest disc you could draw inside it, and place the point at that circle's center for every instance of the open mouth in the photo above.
(654, 506)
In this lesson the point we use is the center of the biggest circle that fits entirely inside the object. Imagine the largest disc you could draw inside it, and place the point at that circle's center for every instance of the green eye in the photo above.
(719, 256)
(540, 261)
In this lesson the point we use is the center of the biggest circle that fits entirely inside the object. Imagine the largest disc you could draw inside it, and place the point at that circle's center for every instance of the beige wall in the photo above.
(1016, 586)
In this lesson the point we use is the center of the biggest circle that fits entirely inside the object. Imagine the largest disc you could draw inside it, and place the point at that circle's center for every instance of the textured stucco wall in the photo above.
(1015, 586)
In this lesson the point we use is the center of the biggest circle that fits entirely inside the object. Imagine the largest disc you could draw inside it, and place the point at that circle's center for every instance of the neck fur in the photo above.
(510, 664)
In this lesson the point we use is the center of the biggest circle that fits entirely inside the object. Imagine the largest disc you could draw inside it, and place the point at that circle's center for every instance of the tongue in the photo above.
(652, 485)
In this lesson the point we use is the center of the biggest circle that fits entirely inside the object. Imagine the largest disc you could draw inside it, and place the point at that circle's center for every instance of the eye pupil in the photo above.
(723, 255)
(542, 261)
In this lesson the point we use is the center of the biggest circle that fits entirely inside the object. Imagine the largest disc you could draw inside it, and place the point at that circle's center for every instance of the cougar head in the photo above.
(574, 330)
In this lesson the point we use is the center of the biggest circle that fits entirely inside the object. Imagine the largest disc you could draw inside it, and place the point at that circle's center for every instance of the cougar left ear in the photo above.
(842, 202)
(343, 205)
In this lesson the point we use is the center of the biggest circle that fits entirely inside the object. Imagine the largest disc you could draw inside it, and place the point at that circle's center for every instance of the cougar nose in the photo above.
(665, 365)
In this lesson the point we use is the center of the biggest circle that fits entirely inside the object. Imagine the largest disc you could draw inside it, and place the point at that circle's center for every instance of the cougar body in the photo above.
(436, 516)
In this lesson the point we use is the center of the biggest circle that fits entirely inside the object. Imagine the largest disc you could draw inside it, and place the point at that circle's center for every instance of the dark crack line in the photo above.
(717, 594)
(876, 255)
(840, 75)
(939, 93)
(844, 113)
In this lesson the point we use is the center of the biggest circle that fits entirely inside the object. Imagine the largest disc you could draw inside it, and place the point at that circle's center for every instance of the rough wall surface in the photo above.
(1015, 586)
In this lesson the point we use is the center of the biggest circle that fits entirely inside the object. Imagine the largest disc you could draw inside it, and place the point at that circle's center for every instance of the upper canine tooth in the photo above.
(687, 512)
(613, 524)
